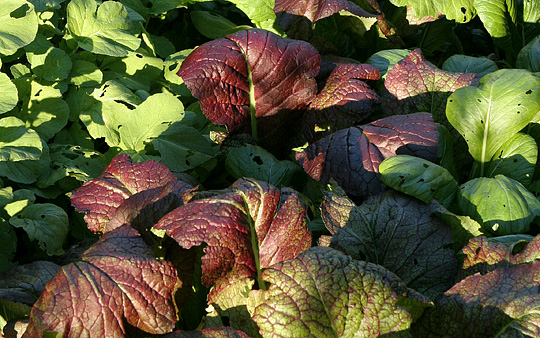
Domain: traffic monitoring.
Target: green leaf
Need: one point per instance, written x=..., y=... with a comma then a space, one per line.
x=258, y=163
x=214, y=26
x=105, y=30
x=501, y=205
x=324, y=293
x=26, y=171
x=85, y=74
x=44, y=110
x=531, y=11
x=387, y=59
x=529, y=56
x=45, y=5
x=8, y=245
x=459, y=63
x=516, y=159
x=47, y=223
x=8, y=94
x=260, y=12
x=149, y=120
x=17, y=142
x=51, y=64
x=420, y=178
x=18, y=25
x=103, y=120
x=494, y=15
x=135, y=71
x=489, y=115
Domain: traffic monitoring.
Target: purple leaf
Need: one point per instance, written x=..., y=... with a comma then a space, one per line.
x=117, y=278
x=352, y=156
x=101, y=197
x=252, y=67
x=397, y=232
x=415, y=85
x=502, y=303
x=324, y=293
x=254, y=215
x=344, y=101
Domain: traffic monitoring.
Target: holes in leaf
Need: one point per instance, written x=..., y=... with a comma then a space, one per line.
x=515, y=160
x=528, y=92
x=477, y=251
x=139, y=55
x=42, y=216
x=20, y=12
x=518, y=112
x=482, y=121
x=188, y=163
x=415, y=261
x=258, y=160
x=425, y=165
x=421, y=180
x=464, y=11
x=504, y=205
x=38, y=93
x=172, y=67
x=479, y=100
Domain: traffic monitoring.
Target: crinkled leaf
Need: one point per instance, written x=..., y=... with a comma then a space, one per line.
x=324, y=293
x=415, y=85
x=17, y=142
x=105, y=30
x=494, y=112
x=118, y=278
x=502, y=303
x=121, y=179
x=399, y=233
x=459, y=63
x=46, y=223
x=25, y=283
x=255, y=162
x=461, y=10
x=352, y=156
x=417, y=177
x=529, y=56
x=222, y=332
x=344, y=101
x=503, y=206
x=8, y=94
x=245, y=230
x=51, y=64
x=232, y=84
x=18, y=25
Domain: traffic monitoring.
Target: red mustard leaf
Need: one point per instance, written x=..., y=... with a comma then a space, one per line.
x=502, y=303
x=116, y=278
x=254, y=216
x=222, y=332
x=352, y=156
x=122, y=178
x=398, y=232
x=324, y=293
x=415, y=85
x=344, y=101
x=280, y=73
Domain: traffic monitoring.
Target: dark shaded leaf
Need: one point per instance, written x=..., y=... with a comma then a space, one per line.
x=324, y=293
x=250, y=228
x=415, y=85
x=116, y=278
x=122, y=179
x=352, y=156
x=397, y=232
x=222, y=332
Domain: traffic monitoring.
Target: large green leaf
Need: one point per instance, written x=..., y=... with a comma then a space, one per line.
x=489, y=115
x=260, y=12
x=420, y=178
x=469, y=64
x=495, y=15
x=462, y=10
x=529, y=56
x=26, y=170
x=50, y=64
x=8, y=94
x=17, y=142
x=18, y=25
x=503, y=206
x=105, y=30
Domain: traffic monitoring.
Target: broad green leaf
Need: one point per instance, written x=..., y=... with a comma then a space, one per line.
x=103, y=120
x=324, y=293
x=26, y=171
x=44, y=110
x=105, y=30
x=256, y=162
x=420, y=178
x=85, y=74
x=494, y=15
x=260, y=12
x=46, y=223
x=17, y=142
x=214, y=26
x=529, y=56
x=494, y=112
x=149, y=120
x=51, y=64
x=461, y=10
x=531, y=11
x=183, y=147
x=503, y=206
x=135, y=71
x=459, y=63
x=116, y=91
x=18, y=25
x=516, y=159
x=8, y=94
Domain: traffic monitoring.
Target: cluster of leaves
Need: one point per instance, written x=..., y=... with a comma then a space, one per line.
x=243, y=174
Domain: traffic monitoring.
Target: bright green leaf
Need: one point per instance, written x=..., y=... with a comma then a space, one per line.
x=47, y=223
x=462, y=10
x=17, y=142
x=18, y=25
x=85, y=74
x=52, y=64
x=260, y=12
x=103, y=120
x=494, y=112
x=385, y=60
x=26, y=171
x=419, y=178
x=135, y=71
x=105, y=30
x=8, y=94
x=503, y=206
